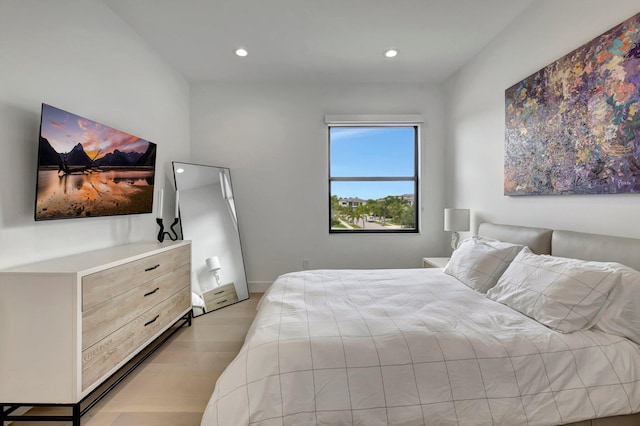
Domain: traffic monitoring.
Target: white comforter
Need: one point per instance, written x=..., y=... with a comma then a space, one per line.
x=414, y=347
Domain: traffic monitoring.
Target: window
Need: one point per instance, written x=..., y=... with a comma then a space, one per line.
x=373, y=178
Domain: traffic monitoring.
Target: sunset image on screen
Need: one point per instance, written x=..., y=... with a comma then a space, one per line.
x=87, y=169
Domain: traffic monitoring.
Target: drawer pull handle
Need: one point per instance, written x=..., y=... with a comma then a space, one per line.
x=219, y=292
x=152, y=321
x=152, y=268
x=151, y=292
x=223, y=301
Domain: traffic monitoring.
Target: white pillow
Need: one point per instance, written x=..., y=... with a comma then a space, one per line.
x=478, y=261
x=564, y=294
x=622, y=316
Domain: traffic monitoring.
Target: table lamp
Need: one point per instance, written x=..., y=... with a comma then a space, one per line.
x=456, y=220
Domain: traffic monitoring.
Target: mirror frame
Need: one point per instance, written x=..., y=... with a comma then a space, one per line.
x=206, y=289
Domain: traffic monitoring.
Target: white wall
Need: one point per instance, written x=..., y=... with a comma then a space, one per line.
x=274, y=140
x=545, y=32
x=78, y=56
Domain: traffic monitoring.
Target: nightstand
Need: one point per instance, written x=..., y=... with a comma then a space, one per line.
x=434, y=262
x=220, y=296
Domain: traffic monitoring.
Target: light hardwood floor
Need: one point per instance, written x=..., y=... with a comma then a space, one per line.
x=173, y=386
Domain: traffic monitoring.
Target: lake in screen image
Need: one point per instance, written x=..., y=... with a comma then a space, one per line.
x=97, y=193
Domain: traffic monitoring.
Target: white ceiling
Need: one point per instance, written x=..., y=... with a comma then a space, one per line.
x=318, y=40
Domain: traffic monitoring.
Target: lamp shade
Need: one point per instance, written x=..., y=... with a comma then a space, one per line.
x=213, y=263
x=456, y=219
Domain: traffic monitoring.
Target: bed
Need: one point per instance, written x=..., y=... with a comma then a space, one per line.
x=435, y=347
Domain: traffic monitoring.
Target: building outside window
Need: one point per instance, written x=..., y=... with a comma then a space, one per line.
x=373, y=178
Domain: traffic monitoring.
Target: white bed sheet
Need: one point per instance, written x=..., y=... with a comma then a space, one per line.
x=411, y=347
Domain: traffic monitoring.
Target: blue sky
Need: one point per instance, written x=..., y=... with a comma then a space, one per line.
x=371, y=151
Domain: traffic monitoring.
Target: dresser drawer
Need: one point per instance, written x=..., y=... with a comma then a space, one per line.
x=113, y=349
x=103, y=285
x=220, y=296
x=105, y=318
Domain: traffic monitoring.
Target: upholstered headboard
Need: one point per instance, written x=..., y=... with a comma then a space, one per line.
x=538, y=239
x=596, y=247
x=576, y=245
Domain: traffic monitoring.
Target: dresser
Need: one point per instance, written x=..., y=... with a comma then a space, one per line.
x=68, y=324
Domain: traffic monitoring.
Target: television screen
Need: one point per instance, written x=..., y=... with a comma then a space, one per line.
x=87, y=169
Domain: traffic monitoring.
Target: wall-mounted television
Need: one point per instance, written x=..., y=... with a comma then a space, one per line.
x=87, y=169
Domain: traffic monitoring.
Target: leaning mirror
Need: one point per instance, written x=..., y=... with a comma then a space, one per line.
x=208, y=218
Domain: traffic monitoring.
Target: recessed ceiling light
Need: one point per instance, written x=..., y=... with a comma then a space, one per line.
x=391, y=53
x=180, y=170
x=241, y=52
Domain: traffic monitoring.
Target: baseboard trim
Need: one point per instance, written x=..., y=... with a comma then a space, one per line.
x=259, y=286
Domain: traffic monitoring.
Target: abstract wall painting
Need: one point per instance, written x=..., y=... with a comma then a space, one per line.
x=574, y=126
